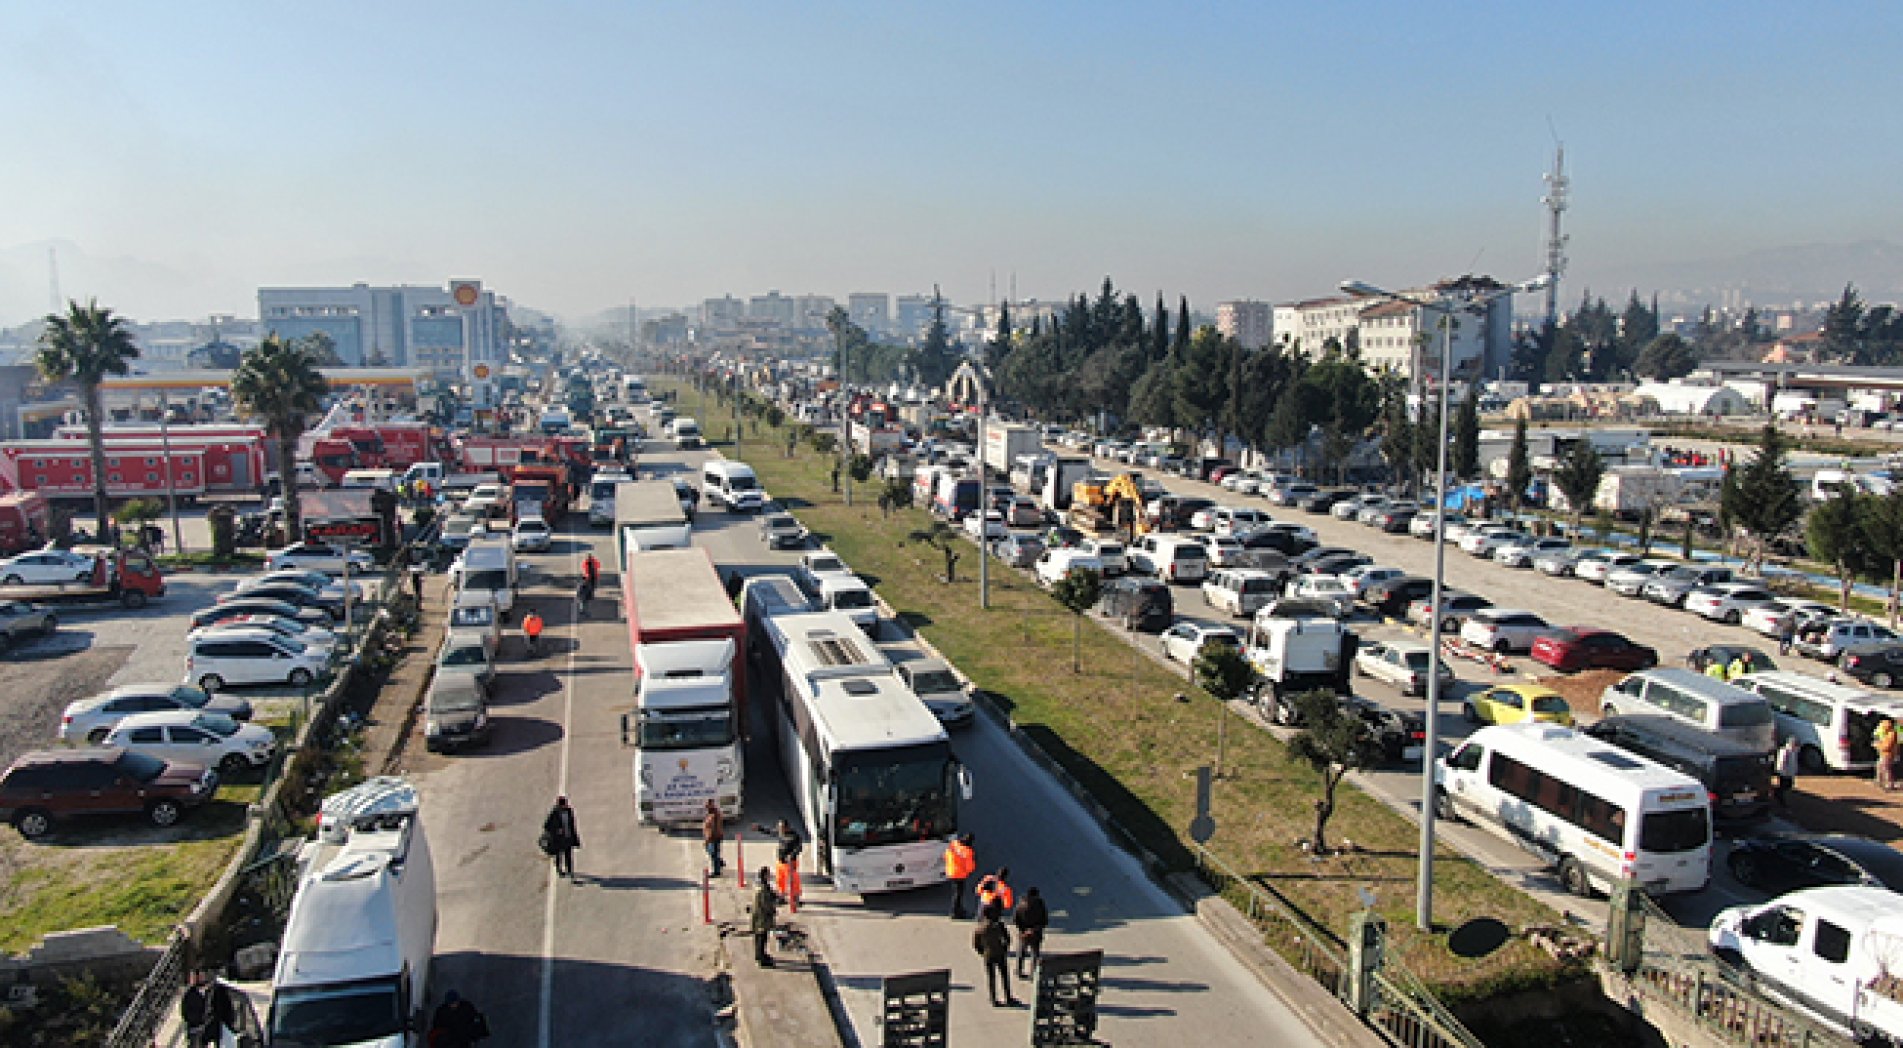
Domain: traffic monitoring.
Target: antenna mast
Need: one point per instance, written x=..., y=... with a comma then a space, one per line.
x=1557, y=187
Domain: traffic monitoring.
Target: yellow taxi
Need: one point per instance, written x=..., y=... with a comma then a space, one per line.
x=1517, y=703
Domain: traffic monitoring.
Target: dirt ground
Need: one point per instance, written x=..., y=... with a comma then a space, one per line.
x=1582, y=689
x=33, y=693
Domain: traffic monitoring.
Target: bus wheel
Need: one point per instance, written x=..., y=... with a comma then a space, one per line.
x=1573, y=877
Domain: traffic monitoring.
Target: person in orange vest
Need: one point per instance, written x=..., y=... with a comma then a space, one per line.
x=993, y=889
x=591, y=570
x=532, y=630
x=960, y=863
x=786, y=862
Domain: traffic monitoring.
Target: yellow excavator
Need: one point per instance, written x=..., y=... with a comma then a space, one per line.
x=1098, y=506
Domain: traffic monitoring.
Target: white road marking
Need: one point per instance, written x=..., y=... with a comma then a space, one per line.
x=547, y=1003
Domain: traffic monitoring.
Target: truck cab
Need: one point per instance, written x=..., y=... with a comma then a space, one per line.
x=1833, y=952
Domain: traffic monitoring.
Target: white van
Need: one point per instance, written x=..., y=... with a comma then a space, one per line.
x=1834, y=723
x=421, y=471
x=850, y=594
x=1239, y=591
x=354, y=965
x=734, y=485
x=488, y=567
x=685, y=432
x=1698, y=700
x=1596, y=813
x=1172, y=558
x=1832, y=952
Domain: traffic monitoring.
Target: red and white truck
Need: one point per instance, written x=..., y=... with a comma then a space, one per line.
x=128, y=578
x=689, y=645
x=23, y=522
x=57, y=469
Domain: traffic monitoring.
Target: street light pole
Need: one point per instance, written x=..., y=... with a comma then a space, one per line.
x=1457, y=300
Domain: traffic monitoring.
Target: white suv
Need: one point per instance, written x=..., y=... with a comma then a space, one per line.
x=242, y=656
x=1727, y=601
x=212, y=739
x=1503, y=630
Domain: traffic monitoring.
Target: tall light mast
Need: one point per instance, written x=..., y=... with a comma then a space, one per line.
x=1557, y=186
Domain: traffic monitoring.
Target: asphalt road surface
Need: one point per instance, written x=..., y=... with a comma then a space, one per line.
x=620, y=957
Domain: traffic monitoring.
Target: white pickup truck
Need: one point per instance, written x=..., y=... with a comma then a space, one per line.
x=1836, y=953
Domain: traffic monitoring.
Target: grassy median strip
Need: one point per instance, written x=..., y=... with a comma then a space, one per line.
x=1118, y=727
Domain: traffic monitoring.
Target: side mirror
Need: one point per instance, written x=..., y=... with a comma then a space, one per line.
x=964, y=782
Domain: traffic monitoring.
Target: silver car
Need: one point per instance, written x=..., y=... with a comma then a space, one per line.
x=1400, y=663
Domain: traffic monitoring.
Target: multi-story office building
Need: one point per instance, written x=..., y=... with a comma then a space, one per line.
x=771, y=306
x=455, y=330
x=914, y=316
x=1248, y=322
x=723, y=313
x=809, y=311
x=870, y=310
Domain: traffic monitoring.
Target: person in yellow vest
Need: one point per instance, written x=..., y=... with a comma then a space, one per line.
x=1740, y=666
x=1715, y=669
x=1885, y=740
x=960, y=863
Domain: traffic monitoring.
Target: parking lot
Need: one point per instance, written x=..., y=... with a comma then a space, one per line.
x=1827, y=803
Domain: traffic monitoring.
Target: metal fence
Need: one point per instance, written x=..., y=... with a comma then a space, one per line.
x=1399, y=1005
x=1677, y=971
x=154, y=1000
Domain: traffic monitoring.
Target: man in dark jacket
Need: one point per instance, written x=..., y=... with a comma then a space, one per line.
x=786, y=861
x=993, y=942
x=766, y=905
x=1032, y=918
x=207, y=1010
x=457, y=1024
x=563, y=836
x=713, y=830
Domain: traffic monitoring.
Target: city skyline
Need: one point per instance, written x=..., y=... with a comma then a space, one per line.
x=580, y=160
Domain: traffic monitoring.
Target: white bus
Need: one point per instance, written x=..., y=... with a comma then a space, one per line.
x=1597, y=813
x=871, y=768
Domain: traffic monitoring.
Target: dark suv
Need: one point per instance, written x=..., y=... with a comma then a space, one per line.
x=53, y=784
x=1138, y=603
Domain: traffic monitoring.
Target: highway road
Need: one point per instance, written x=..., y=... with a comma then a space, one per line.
x=620, y=957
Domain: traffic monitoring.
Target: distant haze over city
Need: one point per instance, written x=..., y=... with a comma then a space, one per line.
x=663, y=154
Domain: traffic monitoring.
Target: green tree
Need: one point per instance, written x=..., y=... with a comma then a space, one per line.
x=135, y=514
x=1834, y=533
x=1078, y=591
x=1883, y=529
x=1638, y=326
x=83, y=346
x=1000, y=345
x=945, y=539
x=1666, y=357
x=323, y=349
x=1577, y=478
x=1466, y=450
x=1334, y=742
x=936, y=359
x=1223, y=672
x=1761, y=497
x=1519, y=466
x=1843, y=327
x=1397, y=440
x=278, y=383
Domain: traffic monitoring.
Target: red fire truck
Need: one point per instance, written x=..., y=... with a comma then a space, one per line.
x=58, y=469
x=380, y=445
x=237, y=458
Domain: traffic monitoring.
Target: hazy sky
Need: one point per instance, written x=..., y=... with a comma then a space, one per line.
x=576, y=155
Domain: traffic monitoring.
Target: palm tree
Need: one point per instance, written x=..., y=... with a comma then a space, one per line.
x=84, y=346
x=279, y=384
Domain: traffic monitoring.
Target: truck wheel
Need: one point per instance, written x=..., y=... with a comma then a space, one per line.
x=132, y=599
x=211, y=682
x=163, y=813
x=33, y=823
x=12, y=580
x=1573, y=877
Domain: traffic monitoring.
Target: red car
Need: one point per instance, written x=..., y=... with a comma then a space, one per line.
x=1581, y=648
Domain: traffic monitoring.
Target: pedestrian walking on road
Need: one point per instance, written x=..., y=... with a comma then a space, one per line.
x=416, y=583
x=1786, y=633
x=786, y=862
x=584, y=592
x=996, y=888
x=457, y=1023
x=591, y=570
x=532, y=627
x=960, y=863
x=562, y=837
x=993, y=943
x=1786, y=771
x=206, y=1009
x=1032, y=918
x=766, y=905
x=713, y=830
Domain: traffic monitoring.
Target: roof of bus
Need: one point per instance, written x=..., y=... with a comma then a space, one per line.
x=824, y=644
x=868, y=712
x=1576, y=754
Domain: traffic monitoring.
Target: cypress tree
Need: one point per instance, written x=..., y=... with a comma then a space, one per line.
x=1466, y=449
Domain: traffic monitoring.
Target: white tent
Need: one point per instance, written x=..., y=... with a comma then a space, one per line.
x=1678, y=398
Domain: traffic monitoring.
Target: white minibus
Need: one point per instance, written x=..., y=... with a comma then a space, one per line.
x=1596, y=813
x=1834, y=724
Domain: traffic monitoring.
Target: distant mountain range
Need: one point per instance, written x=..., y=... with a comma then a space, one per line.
x=1778, y=276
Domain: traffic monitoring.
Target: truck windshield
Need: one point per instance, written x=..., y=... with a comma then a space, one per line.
x=743, y=482
x=893, y=797
x=689, y=729
x=849, y=599
x=337, y=1013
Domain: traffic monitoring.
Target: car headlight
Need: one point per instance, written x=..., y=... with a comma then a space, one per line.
x=432, y=728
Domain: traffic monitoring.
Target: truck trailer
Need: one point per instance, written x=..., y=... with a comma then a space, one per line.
x=649, y=516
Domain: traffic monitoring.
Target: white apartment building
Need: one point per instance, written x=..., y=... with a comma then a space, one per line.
x=1247, y=321
x=1310, y=324
x=809, y=311
x=1404, y=337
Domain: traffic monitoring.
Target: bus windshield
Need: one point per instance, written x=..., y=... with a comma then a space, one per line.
x=685, y=729
x=893, y=797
